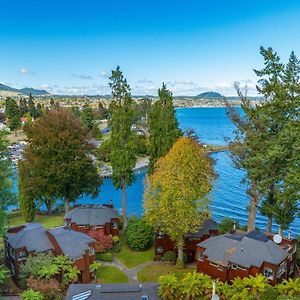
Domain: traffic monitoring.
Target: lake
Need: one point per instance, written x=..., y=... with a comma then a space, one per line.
x=228, y=197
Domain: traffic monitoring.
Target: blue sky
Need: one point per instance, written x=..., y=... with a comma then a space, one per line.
x=70, y=47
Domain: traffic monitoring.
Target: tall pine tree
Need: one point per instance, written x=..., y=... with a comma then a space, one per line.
x=123, y=151
x=163, y=126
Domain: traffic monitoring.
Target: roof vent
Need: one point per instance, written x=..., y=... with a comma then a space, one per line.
x=277, y=238
x=144, y=297
x=82, y=296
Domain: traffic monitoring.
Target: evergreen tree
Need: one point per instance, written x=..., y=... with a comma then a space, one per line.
x=26, y=201
x=88, y=117
x=7, y=197
x=23, y=107
x=163, y=126
x=31, y=107
x=123, y=150
x=59, y=159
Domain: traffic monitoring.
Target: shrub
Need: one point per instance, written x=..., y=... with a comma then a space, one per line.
x=169, y=256
x=115, y=239
x=103, y=242
x=139, y=235
x=116, y=247
x=105, y=256
x=226, y=224
x=32, y=295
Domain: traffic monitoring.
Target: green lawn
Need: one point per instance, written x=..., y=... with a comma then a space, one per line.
x=132, y=258
x=110, y=274
x=48, y=221
x=152, y=273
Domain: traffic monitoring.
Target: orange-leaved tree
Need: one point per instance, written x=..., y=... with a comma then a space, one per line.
x=175, y=198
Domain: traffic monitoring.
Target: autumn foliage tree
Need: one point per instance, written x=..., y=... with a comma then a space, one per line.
x=58, y=159
x=175, y=199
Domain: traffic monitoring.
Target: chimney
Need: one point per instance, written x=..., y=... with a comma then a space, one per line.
x=289, y=234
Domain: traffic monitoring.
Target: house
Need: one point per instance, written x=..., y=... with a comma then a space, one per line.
x=29, y=239
x=124, y=291
x=102, y=218
x=164, y=244
x=228, y=256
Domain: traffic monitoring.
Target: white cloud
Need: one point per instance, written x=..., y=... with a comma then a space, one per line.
x=25, y=71
x=82, y=76
x=104, y=74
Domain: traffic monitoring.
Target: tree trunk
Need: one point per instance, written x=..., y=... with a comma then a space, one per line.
x=270, y=224
x=280, y=230
x=255, y=198
x=49, y=207
x=179, y=245
x=124, y=211
x=67, y=205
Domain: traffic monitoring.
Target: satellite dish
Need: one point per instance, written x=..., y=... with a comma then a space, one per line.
x=277, y=238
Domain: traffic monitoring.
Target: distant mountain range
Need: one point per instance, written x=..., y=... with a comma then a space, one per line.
x=209, y=95
x=25, y=91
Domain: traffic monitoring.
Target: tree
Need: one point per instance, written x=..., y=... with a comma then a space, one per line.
x=12, y=112
x=94, y=268
x=59, y=160
x=31, y=107
x=88, y=117
x=169, y=287
x=23, y=107
x=163, y=126
x=7, y=197
x=175, y=198
x=123, y=150
x=26, y=201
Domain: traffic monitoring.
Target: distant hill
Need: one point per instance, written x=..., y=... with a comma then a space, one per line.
x=209, y=95
x=9, y=91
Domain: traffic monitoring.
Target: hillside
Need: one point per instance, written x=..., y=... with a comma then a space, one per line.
x=209, y=95
x=9, y=91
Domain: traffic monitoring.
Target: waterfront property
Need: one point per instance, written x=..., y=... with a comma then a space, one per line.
x=240, y=254
x=32, y=238
x=164, y=244
x=145, y=291
x=100, y=218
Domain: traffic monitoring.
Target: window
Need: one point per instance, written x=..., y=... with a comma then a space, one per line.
x=200, y=256
x=68, y=225
x=114, y=225
x=159, y=249
x=86, y=226
x=234, y=266
x=160, y=235
x=292, y=269
x=268, y=273
x=91, y=251
x=22, y=255
x=12, y=252
x=94, y=227
x=220, y=268
x=241, y=268
x=213, y=264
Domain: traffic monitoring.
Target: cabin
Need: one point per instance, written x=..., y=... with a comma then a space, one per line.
x=120, y=291
x=240, y=254
x=100, y=218
x=164, y=244
x=29, y=239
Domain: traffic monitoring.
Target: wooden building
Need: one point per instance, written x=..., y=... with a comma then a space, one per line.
x=30, y=239
x=103, y=219
x=240, y=254
x=164, y=244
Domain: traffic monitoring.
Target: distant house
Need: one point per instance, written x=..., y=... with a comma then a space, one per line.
x=121, y=291
x=30, y=239
x=163, y=243
x=228, y=256
x=93, y=217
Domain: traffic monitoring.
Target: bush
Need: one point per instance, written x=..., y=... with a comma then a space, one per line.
x=104, y=150
x=32, y=295
x=116, y=247
x=139, y=234
x=105, y=256
x=169, y=256
x=103, y=242
x=48, y=287
x=226, y=225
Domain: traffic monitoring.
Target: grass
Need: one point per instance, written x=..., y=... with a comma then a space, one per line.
x=110, y=274
x=131, y=258
x=12, y=138
x=152, y=273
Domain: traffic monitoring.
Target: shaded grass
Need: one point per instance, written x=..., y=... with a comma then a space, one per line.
x=111, y=274
x=152, y=273
x=131, y=258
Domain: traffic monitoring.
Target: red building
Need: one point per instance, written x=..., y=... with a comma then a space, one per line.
x=29, y=239
x=163, y=243
x=93, y=217
x=241, y=254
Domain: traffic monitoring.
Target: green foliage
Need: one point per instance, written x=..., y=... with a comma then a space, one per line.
x=3, y=275
x=168, y=287
x=104, y=150
x=177, y=190
x=139, y=235
x=227, y=224
x=290, y=287
x=169, y=256
x=32, y=108
x=116, y=248
x=88, y=117
x=27, y=203
x=48, y=271
x=123, y=149
x=55, y=139
x=163, y=126
x=7, y=197
x=31, y=295
x=105, y=256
